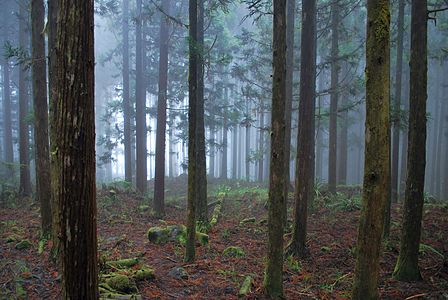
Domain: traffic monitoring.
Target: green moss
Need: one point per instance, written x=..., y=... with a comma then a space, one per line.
x=202, y=238
x=144, y=273
x=233, y=251
x=143, y=208
x=245, y=287
x=161, y=235
x=24, y=244
x=123, y=263
x=247, y=221
x=122, y=283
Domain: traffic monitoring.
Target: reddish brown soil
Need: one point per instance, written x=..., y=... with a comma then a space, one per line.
x=326, y=274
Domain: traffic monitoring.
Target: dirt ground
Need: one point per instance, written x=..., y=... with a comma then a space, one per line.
x=326, y=274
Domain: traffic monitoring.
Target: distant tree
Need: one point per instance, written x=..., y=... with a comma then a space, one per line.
x=127, y=140
x=43, y=180
x=334, y=95
x=75, y=144
x=407, y=264
x=304, y=181
x=377, y=152
x=140, y=108
x=273, y=280
x=159, y=181
x=8, y=152
x=190, y=251
x=24, y=132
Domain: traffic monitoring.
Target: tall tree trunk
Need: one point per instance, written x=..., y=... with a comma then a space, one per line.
x=290, y=28
x=171, y=148
x=438, y=167
x=201, y=182
x=24, y=132
x=304, y=181
x=140, y=101
x=377, y=151
x=319, y=130
x=75, y=144
x=126, y=102
x=247, y=144
x=52, y=69
x=407, y=264
x=159, y=181
x=273, y=280
x=397, y=102
x=334, y=94
x=43, y=181
x=234, y=151
x=190, y=251
x=404, y=141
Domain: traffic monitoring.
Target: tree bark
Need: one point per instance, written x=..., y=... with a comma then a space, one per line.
x=377, y=151
x=273, y=280
x=190, y=251
x=127, y=108
x=159, y=180
x=304, y=180
x=43, y=180
x=261, y=145
x=75, y=149
x=407, y=264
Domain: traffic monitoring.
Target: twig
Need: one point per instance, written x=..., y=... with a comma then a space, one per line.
x=415, y=296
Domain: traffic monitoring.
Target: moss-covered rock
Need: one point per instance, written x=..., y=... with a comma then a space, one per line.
x=122, y=283
x=24, y=244
x=161, y=235
x=143, y=208
x=144, y=273
x=178, y=273
x=233, y=251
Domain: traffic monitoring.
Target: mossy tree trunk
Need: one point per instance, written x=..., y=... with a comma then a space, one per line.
x=407, y=264
x=75, y=149
x=273, y=280
x=190, y=251
x=43, y=181
x=377, y=151
x=304, y=181
x=159, y=180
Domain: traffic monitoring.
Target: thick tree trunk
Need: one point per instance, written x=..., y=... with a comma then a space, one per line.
x=75, y=144
x=190, y=251
x=377, y=151
x=24, y=131
x=212, y=150
x=319, y=129
x=304, y=181
x=140, y=101
x=43, y=181
x=273, y=280
x=159, y=181
x=127, y=108
x=334, y=94
x=407, y=264
x=7, y=127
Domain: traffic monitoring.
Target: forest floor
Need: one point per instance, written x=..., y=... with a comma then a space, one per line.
x=122, y=233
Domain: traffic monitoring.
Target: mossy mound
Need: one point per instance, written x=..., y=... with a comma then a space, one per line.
x=233, y=251
x=248, y=221
x=122, y=284
x=24, y=244
x=161, y=235
x=123, y=263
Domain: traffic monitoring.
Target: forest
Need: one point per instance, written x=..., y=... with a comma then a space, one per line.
x=224, y=149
